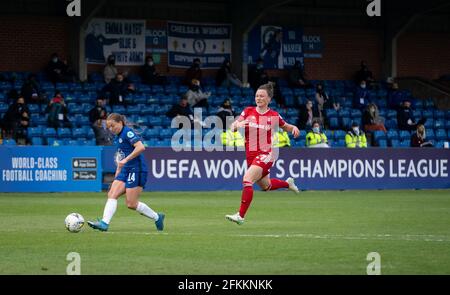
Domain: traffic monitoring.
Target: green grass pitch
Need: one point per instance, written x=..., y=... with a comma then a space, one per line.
x=314, y=232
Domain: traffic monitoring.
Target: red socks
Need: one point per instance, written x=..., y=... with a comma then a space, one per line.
x=277, y=184
x=247, y=196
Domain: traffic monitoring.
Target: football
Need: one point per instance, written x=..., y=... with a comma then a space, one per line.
x=74, y=222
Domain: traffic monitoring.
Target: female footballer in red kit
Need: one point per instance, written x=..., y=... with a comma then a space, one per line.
x=259, y=123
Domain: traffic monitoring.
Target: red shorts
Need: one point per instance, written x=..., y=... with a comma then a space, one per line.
x=265, y=161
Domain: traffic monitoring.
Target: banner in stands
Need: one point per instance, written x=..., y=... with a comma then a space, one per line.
x=314, y=169
x=279, y=47
x=312, y=46
x=156, y=37
x=211, y=43
x=125, y=39
x=50, y=169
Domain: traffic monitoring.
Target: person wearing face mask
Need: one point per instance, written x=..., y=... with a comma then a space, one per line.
x=361, y=97
x=57, y=112
x=182, y=108
x=419, y=137
x=405, y=117
x=56, y=69
x=228, y=137
x=355, y=138
x=110, y=70
x=98, y=111
x=16, y=121
x=194, y=72
x=117, y=90
x=371, y=119
x=196, y=97
x=307, y=114
x=315, y=138
x=149, y=74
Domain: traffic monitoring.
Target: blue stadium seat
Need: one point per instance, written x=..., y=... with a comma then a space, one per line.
x=166, y=133
x=328, y=134
x=331, y=113
x=404, y=135
x=392, y=134
x=355, y=113
x=344, y=113
x=55, y=142
x=379, y=135
x=155, y=121
x=430, y=134
x=49, y=132
x=382, y=143
x=34, y=132
x=340, y=143
x=302, y=134
x=79, y=133
x=37, y=141
x=391, y=124
x=441, y=135
x=64, y=133
x=438, y=114
x=345, y=122
x=84, y=121
x=334, y=123
x=427, y=114
x=405, y=143
x=429, y=123
x=150, y=143
x=439, y=144
x=391, y=114
x=439, y=123
x=34, y=108
x=9, y=142
x=394, y=143
x=339, y=134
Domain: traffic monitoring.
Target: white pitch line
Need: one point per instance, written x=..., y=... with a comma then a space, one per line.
x=383, y=237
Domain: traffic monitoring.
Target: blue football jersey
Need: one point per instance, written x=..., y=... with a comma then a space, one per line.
x=125, y=141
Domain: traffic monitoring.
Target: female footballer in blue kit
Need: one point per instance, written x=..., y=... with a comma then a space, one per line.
x=130, y=177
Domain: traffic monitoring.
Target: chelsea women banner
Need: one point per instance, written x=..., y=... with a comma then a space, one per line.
x=211, y=43
x=50, y=169
x=125, y=39
x=279, y=47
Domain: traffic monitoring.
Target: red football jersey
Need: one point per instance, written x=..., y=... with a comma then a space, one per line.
x=258, y=131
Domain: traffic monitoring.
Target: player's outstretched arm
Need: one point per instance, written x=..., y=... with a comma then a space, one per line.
x=138, y=149
x=292, y=129
x=239, y=123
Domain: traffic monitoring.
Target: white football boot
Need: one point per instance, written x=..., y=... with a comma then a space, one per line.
x=292, y=186
x=235, y=218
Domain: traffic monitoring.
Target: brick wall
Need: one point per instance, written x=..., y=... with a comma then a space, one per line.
x=423, y=54
x=26, y=44
x=343, y=51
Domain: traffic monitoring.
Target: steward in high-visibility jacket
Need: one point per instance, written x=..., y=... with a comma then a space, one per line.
x=315, y=137
x=355, y=138
x=281, y=139
x=230, y=138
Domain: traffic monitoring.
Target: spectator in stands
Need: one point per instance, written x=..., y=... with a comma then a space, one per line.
x=419, y=137
x=297, y=77
x=149, y=74
x=355, y=138
x=31, y=90
x=110, y=70
x=308, y=113
x=315, y=138
x=395, y=98
x=103, y=136
x=257, y=75
x=405, y=117
x=118, y=89
x=196, y=97
x=364, y=74
x=224, y=111
x=323, y=99
x=225, y=77
x=371, y=119
x=281, y=139
x=99, y=111
x=194, y=72
x=57, y=112
x=16, y=121
x=57, y=69
x=181, y=109
x=361, y=97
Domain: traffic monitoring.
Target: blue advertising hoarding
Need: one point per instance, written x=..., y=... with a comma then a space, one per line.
x=50, y=169
x=314, y=169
